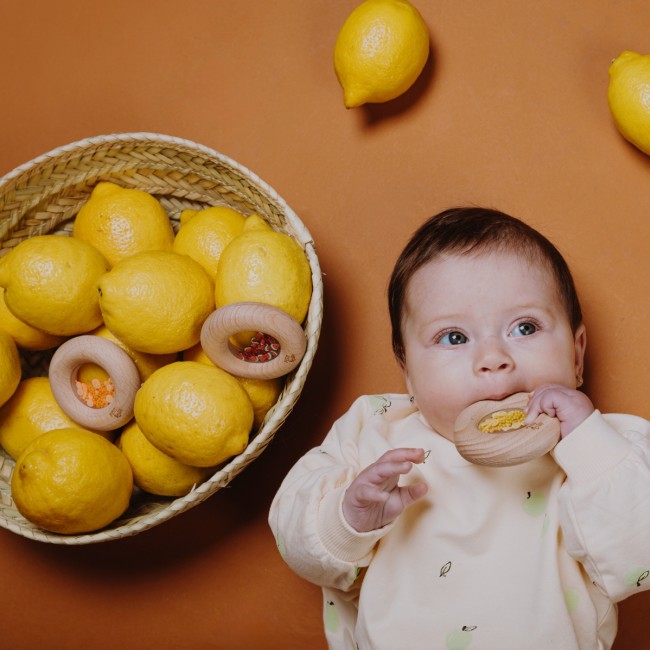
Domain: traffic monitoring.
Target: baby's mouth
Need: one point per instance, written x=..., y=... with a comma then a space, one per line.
x=499, y=397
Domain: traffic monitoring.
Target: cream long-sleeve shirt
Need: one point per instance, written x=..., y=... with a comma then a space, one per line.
x=534, y=556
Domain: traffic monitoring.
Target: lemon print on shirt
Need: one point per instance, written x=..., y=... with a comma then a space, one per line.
x=459, y=639
x=636, y=576
x=331, y=617
x=572, y=599
x=379, y=403
x=534, y=504
x=281, y=547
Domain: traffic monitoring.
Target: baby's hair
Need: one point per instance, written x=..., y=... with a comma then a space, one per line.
x=473, y=230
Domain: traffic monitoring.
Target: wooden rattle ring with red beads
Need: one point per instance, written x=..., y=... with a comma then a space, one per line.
x=226, y=321
x=63, y=373
x=493, y=433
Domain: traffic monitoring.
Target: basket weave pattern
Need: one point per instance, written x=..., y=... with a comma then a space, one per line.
x=44, y=195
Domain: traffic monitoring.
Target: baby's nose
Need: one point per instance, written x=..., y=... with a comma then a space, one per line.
x=492, y=356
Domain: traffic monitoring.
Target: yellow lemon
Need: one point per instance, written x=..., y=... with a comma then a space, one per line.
x=380, y=51
x=156, y=301
x=263, y=393
x=186, y=215
x=50, y=283
x=263, y=265
x=196, y=353
x=629, y=97
x=144, y=362
x=195, y=413
x=25, y=336
x=204, y=234
x=29, y=413
x=119, y=222
x=10, y=370
x=71, y=481
x=154, y=471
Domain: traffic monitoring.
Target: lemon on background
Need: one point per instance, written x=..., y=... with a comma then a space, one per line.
x=24, y=335
x=144, y=362
x=263, y=265
x=205, y=233
x=628, y=96
x=10, y=370
x=119, y=222
x=156, y=301
x=380, y=51
x=29, y=413
x=263, y=393
x=156, y=472
x=195, y=413
x=50, y=283
x=71, y=481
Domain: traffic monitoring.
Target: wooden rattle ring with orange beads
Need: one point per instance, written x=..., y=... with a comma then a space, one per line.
x=63, y=374
x=502, y=448
x=226, y=321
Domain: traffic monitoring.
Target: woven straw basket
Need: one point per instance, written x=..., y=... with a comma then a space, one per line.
x=43, y=196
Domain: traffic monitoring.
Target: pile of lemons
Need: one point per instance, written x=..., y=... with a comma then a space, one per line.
x=126, y=276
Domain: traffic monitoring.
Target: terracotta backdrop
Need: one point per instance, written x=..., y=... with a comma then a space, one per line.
x=510, y=112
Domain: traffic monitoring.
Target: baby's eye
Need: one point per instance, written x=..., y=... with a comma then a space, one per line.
x=452, y=338
x=524, y=329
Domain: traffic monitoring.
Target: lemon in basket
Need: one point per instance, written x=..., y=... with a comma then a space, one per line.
x=71, y=481
x=156, y=472
x=29, y=413
x=25, y=336
x=156, y=301
x=263, y=393
x=50, y=283
x=195, y=413
x=263, y=265
x=380, y=51
x=204, y=234
x=119, y=222
x=628, y=96
x=9, y=367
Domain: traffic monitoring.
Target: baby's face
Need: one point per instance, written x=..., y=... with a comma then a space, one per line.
x=484, y=327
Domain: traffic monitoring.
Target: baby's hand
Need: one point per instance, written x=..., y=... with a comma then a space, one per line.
x=570, y=407
x=374, y=499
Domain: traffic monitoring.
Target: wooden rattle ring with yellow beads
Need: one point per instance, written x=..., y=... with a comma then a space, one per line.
x=226, y=321
x=63, y=374
x=493, y=433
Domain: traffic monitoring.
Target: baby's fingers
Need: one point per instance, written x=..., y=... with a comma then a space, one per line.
x=411, y=493
x=386, y=474
x=569, y=406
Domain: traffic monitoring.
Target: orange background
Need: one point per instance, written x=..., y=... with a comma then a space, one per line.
x=510, y=112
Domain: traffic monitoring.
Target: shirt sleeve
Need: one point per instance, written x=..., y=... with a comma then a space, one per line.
x=306, y=515
x=605, y=501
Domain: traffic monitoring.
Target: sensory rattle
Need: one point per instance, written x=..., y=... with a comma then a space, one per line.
x=495, y=433
x=280, y=356
x=124, y=376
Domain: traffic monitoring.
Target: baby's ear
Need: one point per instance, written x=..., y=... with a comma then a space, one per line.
x=580, y=343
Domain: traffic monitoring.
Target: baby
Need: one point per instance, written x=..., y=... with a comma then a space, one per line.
x=414, y=546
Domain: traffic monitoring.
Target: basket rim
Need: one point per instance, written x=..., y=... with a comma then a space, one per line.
x=295, y=380
x=305, y=236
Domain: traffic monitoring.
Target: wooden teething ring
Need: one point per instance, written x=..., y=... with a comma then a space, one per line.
x=221, y=324
x=503, y=448
x=63, y=371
